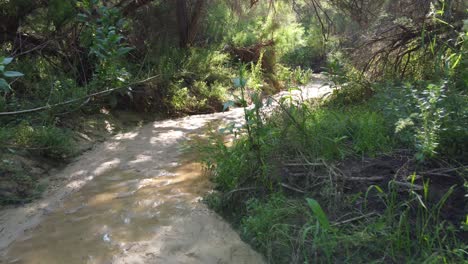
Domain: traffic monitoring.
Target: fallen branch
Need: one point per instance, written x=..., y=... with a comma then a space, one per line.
x=292, y=188
x=302, y=164
x=240, y=190
x=353, y=219
x=437, y=174
x=45, y=107
x=372, y=178
x=409, y=185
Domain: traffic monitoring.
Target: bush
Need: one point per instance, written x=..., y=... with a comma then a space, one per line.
x=48, y=141
x=307, y=57
x=370, y=133
x=230, y=165
x=428, y=118
x=339, y=133
x=267, y=226
x=197, y=80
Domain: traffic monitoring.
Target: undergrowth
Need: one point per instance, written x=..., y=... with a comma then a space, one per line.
x=349, y=179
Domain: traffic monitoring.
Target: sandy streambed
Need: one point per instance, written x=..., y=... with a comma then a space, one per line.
x=133, y=199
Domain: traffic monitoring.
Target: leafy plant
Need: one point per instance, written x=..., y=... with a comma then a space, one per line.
x=431, y=113
x=4, y=85
x=318, y=213
x=104, y=37
x=266, y=225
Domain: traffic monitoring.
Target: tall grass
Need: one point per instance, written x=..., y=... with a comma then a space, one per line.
x=342, y=223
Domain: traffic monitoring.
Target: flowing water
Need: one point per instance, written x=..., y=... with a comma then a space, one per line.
x=133, y=199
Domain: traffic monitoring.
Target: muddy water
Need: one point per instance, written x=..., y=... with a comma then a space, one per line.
x=112, y=213
x=133, y=199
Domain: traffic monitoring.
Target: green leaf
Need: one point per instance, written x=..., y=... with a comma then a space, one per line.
x=4, y=85
x=319, y=213
x=2, y=68
x=124, y=50
x=239, y=82
x=227, y=105
x=457, y=61
x=12, y=74
x=7, y=61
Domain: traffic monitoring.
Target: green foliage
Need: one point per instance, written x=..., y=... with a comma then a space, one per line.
x=255, y=78
x=48, y=141
x=318, y=213
x=104, y=37
x=337, y=134
x=309, y=52
x=266, y=226
x=296, y=44
x=370, y=133
x=414, y=225
x=4, y=85
x=425, y=114
x=294, y=77
x=230, y=166
x=402, y=227
x=16, y=185
x=59, y=11
x=198, y=81
x=430, y=115
x=350, y=85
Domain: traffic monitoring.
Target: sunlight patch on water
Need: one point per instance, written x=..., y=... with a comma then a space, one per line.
x=117, y=209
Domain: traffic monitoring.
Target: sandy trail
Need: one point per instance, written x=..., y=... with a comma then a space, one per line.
x=133, y=199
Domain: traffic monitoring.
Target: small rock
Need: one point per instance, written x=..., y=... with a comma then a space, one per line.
x=106, y=238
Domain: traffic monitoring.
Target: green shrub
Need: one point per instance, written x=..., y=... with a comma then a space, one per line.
x=307, y=57
x=295, y=76
x=267, y=226
x=49, y=141
x=197, y=82
x=428, y=118
x=55, y=142
x=370, y=133
x=183, y=100
x=340, y=133
x=232, y=165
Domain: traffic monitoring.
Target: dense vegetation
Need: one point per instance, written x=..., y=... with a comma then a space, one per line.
x=373, y=172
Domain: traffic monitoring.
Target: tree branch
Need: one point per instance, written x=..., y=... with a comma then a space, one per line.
x=45, y=107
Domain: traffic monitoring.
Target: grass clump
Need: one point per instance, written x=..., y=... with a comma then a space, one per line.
x=337, y=133
x=21, y=176
x=231, y=165
x=48, y=141
x=267, y=224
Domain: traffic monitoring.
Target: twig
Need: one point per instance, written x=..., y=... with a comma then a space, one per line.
x=372, y=178
x=353, y=219
x=437, y=174
x=302, y=164
x=292, y=188
x=240, y=190
x=74, y=100
x=24, y=147
x=444, y=170
x=409, y=185
x=38, y=47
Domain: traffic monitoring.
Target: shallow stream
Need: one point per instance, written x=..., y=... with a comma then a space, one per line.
x=133, y=199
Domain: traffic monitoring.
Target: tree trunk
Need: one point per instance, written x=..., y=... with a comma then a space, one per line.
x=188, y=26
x=182, y=22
